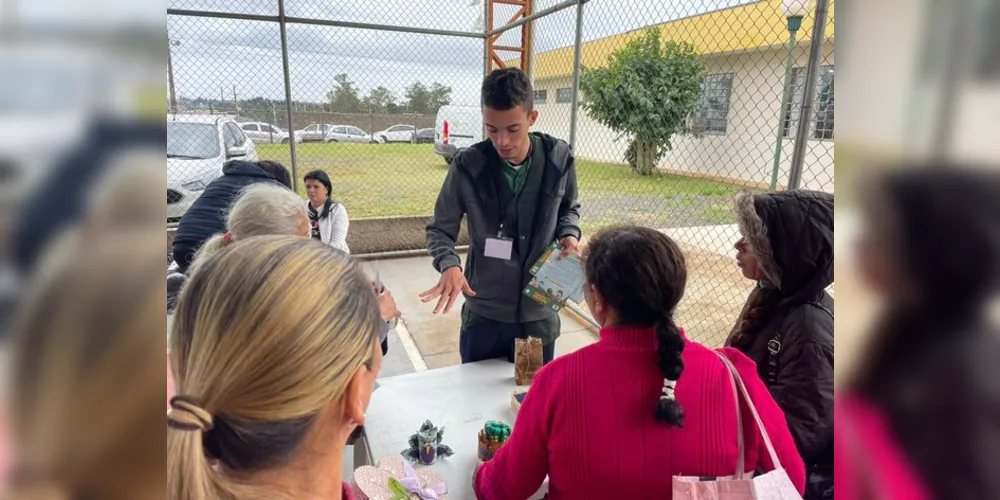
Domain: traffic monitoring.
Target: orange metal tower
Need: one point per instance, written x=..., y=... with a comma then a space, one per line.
x=524, y=50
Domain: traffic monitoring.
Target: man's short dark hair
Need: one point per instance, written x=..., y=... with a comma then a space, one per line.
x=507, y=88
x=278, y=170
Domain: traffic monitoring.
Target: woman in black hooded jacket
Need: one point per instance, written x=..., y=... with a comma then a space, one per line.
x=786, y=326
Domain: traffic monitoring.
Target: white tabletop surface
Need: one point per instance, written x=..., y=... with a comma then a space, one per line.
x=460, y=398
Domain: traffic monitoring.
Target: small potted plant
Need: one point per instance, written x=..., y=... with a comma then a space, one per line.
x=425, y=446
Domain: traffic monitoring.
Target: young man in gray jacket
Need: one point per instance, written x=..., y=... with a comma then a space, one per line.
x=517, y=191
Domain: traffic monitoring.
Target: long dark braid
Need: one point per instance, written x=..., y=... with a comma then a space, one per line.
x=641, y=274
x=756, y=312
x=669, y=350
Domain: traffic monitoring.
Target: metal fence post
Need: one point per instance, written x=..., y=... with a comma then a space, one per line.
x=487, y=26
x=577, y=55
x=805, y=113
x=288, y=91
x=785, y=96
x=170, y=77
x=957, y=45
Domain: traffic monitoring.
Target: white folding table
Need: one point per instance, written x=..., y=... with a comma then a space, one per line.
x=459, y=398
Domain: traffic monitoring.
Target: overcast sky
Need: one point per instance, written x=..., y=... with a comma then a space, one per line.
x=213, y=55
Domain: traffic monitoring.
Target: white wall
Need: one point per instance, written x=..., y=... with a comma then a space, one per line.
x=745, y=151
x=881, y=106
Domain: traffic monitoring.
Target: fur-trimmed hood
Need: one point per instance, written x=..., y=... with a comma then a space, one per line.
x=791, y=235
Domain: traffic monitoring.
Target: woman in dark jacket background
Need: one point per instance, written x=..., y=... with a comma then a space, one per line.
x=786, y=326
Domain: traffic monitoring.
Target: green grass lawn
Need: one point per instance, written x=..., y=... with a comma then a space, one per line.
x=404, y=179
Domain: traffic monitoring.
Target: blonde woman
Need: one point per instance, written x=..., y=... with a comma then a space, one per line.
x=274, y=370
x=85, y=387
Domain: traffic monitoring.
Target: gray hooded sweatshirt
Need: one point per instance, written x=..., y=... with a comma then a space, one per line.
x=546, y=210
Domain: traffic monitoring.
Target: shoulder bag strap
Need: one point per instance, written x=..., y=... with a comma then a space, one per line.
x=774, y=346
x=741, y=458
x=753, y=410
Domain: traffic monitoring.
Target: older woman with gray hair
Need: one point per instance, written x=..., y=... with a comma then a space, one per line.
x=269, y=209
x=260, y=210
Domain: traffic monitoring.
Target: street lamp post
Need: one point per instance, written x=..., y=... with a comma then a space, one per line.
x=794, y=11
x=170, y=73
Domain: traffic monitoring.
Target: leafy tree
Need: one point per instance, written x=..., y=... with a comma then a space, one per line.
x=394, y=109
x=344, y=96
x=647, y=91
x=440, y=96
x=256, y=103
x=379, y=99
x=418, y=98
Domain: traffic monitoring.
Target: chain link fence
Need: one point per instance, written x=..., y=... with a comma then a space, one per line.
x=354, y=89
x=732, y=118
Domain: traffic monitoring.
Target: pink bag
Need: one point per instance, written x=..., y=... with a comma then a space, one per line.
x=773, y=485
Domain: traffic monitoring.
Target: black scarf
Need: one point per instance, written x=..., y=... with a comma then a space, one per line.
x=315, y=216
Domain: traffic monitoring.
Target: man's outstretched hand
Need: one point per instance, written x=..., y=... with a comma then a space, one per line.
x=452, y=283
x=570, y=245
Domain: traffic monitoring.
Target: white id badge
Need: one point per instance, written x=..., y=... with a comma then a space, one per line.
x=499, y=248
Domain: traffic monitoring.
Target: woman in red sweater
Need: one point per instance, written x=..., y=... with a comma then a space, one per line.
x=616, y=419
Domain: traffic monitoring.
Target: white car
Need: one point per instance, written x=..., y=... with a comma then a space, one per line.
x=265, y=133
x=48, y=93
x=348, y=133
x=396, y=133
x=315, y=132
x=197, y=147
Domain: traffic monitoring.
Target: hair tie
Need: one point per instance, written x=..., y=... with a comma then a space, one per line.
x=668, y=390
x=185, y=414
x=228, y=237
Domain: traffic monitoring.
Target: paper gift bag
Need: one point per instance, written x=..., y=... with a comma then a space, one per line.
x=527, y=359
x=772, y=485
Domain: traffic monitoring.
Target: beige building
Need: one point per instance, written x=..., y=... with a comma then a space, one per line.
x=745, y=51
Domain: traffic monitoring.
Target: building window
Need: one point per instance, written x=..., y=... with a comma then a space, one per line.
x=564, y=95
x=713, y=106
x=821, y=126
x=541, y=96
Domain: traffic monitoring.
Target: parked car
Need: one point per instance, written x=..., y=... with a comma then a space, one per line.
x=457, y=127
x=265, y=133
x=348, y=133
x=49, y=95
x=395, y=133
x=197, y=147
x=315, y=132
x=425, y=136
